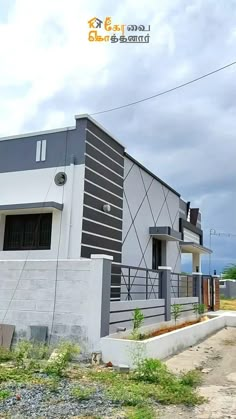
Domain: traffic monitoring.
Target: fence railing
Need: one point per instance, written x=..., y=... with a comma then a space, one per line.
x=134, y=283
x=182, y=285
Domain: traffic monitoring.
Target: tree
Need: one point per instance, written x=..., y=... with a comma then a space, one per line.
x=230, y=271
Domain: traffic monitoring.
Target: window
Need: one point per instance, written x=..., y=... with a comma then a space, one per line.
x=41, y=147
x=28, y=232
x=156, y=253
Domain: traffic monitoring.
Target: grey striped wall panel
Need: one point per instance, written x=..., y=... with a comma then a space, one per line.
x=104, y=170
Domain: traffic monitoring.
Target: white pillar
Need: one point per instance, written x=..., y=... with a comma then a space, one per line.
x=196, y=262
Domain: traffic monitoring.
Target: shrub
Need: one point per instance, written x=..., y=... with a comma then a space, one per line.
x=143, y=412
x=82, y=393
x=6, y=355
x=126, y=395
x=177, y=393
x=152, y=370
x=191, y=378
x=62, y=355
x=28, y=350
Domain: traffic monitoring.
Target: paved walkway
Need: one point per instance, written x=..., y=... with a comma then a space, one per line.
x=216, y=358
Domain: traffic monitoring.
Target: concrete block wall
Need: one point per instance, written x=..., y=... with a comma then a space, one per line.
x=121, y=312
x=66, y=296
x=186, y=306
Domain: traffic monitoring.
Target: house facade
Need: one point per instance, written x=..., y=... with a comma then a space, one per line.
x=73, y=192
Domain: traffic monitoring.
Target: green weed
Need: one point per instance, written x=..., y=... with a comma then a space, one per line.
x=191, y=378
x=4, y=394
x=144, y=412
x=152, y=371
x=6, y=355
x=82, y=393
x=63, y=355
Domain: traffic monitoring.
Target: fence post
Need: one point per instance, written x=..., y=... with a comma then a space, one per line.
x=197, y=280
x=146, y=284
x=165, y=289
x=99, y=288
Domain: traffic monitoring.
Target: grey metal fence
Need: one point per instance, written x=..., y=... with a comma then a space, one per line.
x=134, y=283
x=182, y=285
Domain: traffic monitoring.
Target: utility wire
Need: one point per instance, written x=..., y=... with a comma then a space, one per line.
x=166, y=91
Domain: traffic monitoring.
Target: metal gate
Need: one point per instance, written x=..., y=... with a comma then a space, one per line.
x=208, y=292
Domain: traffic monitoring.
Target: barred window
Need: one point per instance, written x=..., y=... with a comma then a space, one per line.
x=28, y=232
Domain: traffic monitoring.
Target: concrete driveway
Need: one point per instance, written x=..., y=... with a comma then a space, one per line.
x=216, y=357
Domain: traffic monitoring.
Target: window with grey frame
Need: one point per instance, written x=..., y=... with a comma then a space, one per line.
x=28, y=232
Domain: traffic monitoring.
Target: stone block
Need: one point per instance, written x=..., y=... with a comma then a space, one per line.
x=38, y=333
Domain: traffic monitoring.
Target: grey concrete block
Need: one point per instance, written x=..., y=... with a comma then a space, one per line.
x=39, y=333
x=60, y=329
x=48, y=265
x=12, y=265
x=35, y=284
x=6, y=295
x=8, y=285
x=46, y=305
x=22, y=305
x=9, y=275
x=63, y=275
x=76, y=330
x=39, y=274
x=74, y=265
x=69, y=319
x=39, y=294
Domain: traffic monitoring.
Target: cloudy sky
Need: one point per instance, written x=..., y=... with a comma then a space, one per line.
x=49, y=72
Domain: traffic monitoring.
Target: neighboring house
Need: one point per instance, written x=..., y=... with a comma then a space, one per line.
x=68, y=193
x=228, y=288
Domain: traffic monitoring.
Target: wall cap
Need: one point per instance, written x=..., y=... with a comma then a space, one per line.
x=164, y=268
x=97, y=256
x=196, y=273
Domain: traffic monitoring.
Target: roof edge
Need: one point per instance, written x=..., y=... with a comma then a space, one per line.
x=151, y=174
x=87, y=116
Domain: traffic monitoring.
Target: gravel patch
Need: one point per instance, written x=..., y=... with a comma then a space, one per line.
x=38, y=401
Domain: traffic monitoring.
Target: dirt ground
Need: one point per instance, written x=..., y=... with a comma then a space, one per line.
x=216, y=357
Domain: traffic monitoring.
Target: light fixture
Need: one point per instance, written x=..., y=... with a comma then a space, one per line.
x=106, y=208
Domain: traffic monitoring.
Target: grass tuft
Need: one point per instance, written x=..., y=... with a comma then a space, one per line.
x=82, y=393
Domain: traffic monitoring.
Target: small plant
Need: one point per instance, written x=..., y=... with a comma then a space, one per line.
x=191, y=378
x=82, y=393
x=143, y=412
x=27, y=352
x=176, y=311
x=152, y=371
x=126, y=395
x=199, y=309
x=6, y=355
x=53, y=384
x=4, y=394
x=138, y=319
x=61, y=357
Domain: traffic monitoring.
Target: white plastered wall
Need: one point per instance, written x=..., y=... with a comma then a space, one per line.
x=38, y=186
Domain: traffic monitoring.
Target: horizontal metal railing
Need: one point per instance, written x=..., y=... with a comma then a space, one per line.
x=134, y=283
x=182, y=285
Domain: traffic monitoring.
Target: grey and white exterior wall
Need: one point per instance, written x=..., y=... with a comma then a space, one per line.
x=99, y=172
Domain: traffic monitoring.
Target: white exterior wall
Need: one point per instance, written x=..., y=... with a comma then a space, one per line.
x=139, y=213
x=189, y=236
x=38, y=186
